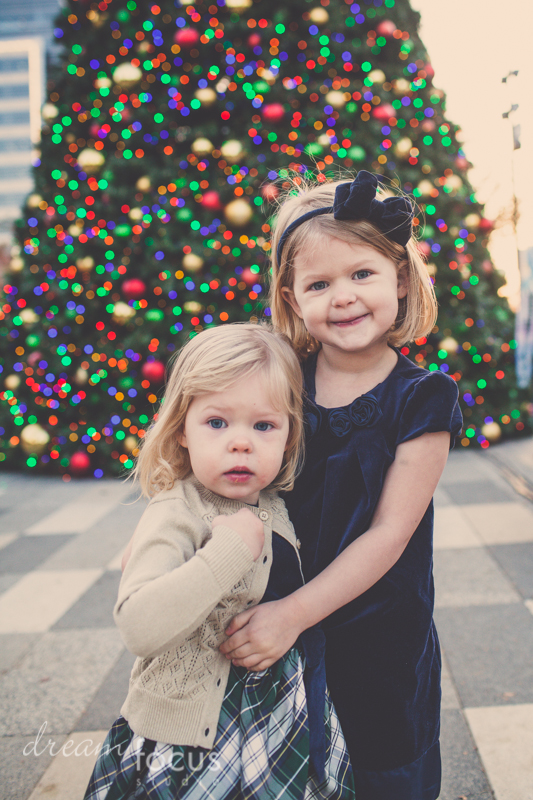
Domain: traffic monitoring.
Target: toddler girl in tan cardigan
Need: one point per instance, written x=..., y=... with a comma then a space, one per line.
x=214, y=540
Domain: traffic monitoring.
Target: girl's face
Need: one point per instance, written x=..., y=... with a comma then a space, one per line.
x=347, y=295
x=236, y=439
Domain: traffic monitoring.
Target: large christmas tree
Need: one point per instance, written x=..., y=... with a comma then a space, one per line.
x=167, y=132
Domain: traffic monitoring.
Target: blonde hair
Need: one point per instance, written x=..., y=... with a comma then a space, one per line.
x=417, y=311
x=211, y=362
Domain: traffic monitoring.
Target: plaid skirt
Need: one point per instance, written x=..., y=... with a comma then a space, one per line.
x=261, y=749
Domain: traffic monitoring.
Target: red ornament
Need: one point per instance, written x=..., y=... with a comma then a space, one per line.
x=269, y=192
x=485, y=225
x=133, y=288
x=273, y=112
x=153, y=371
x=93, y=130
x=249, y=277
x=79, y=462
x=254, y=40
x=187, y=37
x=430, y=72
x=383, y=112
x=211, y=201
x=386, y=28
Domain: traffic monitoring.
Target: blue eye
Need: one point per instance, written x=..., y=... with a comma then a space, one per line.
x=216, y=423
x=362, y=273
x=318, y=285
x=263, y=426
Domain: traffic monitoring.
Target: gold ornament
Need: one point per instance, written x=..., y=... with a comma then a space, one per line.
x=136, y=214
x=238, y=5
x=16, y=264
x=28, y=316
x=102, y=83
x=34, y=200
x=377, y=76
x=491, y=431
x=74, y=230
x=49, y=111
x=401, y=86
x=232, y=150
x=202, y=146
x=91, y=161
x=192, y=263
x=425, y=188
x=127, y=75
x=324, y=140
x=206, y=96
x=130, y=443
x=12, y=382
x=122, y=312
x=33, y=439
x=454, y=182
x=336, y=99
x=144, y=184
x=81, y=376
x=238, y=212
x=472, y=221
x=268, y=76
x=85, y=264
x=319, y=16
x=432, y=269
x=192, y=307
x=449, y=344
x=403, y=146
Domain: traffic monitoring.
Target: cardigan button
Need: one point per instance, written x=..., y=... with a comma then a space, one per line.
x=206, y=731
x=265, y=559
x=263, y=515
x=218, y=682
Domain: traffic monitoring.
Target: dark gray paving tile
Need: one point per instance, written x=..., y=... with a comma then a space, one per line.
x=470, y=577
x=106, y=705
x=490, y=652
x=517, y=561
x=479, y=492
x=29, y=501
x=18, y=772
x=13, y=646
x=463, y=775
x=27, y=552
x=94, y=609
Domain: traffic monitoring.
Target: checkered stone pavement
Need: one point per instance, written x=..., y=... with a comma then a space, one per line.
x=64, y=670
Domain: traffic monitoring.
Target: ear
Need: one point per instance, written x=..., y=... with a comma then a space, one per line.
x=403, y=283
x=288, y=296
x=182, y=438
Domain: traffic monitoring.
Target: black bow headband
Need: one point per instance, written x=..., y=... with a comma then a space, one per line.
x=357, y=200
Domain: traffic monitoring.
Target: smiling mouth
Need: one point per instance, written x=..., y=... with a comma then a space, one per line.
x=352, y=321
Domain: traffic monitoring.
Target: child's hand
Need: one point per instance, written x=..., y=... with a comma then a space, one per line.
x=247, y=526
x=262, y=635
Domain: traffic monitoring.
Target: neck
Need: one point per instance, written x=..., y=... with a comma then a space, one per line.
x=341, y=377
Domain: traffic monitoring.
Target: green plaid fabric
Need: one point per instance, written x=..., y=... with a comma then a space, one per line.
x=261, y=750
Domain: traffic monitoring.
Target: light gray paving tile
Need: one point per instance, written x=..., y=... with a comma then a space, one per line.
x=57, y=680
x=464, y=466
x=490, y=652
x=470, y=577
x=504, y=736
x=106, y=704
x=69, y=773
x=517, y=561
x=18, y=772
x=441, y=498
x=518, y=455
x=94, y=609
x=84, y=510
x=8, y=580
x=98, y=545
x=501, y=523
x=13, y=647
x=453, y=530
x=35, y=501
x=463, y=775
x=471, y=492
x=27, y=552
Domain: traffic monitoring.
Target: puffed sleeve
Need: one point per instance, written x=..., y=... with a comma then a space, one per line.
x=432, y=406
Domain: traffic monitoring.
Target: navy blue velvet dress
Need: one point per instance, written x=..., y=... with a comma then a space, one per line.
x=382, y=652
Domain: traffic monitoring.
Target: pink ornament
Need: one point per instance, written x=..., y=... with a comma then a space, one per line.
x=273, y=112
x=249, y=277
x=34, y=358
x=485, y=225
x=153, y=371
x=386, y=28
x=461, y=163
x=211, y=201
x=133, y=288
x=269, y=192
x=93, y=130
x=79, y=463
x=254, y=40
x=383, y=112
x=424, y=248
x=187, y=37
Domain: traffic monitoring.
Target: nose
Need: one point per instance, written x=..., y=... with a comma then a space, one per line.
x=240, y=444
x=344, y=295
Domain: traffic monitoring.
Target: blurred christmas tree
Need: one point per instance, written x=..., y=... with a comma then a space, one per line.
x=165, y=134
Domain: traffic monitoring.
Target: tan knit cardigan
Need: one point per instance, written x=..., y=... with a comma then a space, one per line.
x=181, y=587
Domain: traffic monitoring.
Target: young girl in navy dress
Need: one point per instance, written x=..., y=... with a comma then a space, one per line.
x=214, y=540
x=349, y=287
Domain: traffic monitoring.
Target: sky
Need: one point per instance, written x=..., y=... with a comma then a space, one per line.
x=472, y=45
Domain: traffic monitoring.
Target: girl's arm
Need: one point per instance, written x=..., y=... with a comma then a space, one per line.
x=176, y=574
x=262, y=635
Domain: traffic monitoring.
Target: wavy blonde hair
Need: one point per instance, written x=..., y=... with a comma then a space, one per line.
x=417, y=312
x=211, y=362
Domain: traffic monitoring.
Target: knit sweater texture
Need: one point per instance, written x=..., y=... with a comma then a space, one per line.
x=181, y=587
